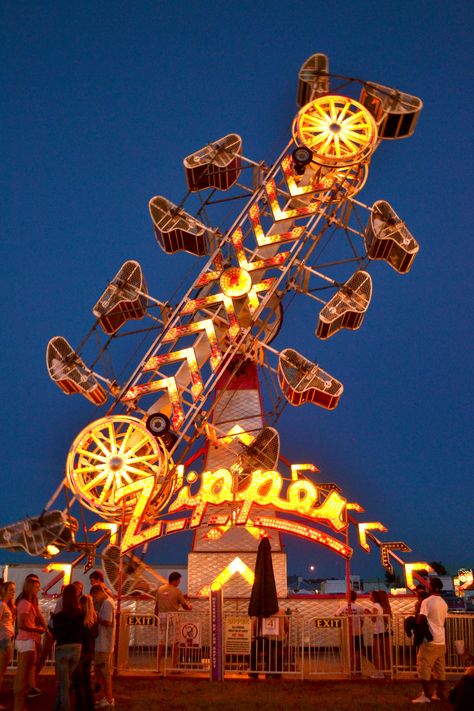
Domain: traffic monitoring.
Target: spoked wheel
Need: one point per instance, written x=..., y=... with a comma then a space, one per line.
x=339, y=131
x=109, y=454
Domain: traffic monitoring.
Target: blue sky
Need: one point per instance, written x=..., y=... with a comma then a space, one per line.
x=101, y=103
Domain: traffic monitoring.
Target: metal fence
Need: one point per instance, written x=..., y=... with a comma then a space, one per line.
x=301, y=645
x=296, y=645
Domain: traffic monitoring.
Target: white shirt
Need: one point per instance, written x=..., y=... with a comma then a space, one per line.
x=356, y=612
x=435, y=610
x=105, y=638
x=379, y=624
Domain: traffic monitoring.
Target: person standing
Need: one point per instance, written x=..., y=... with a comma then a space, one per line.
x=169, y=598
x=68, y=625
x=387, y=611
x=7, y=627
x=104, y=644
x=82, y=676
x=97, y=578
x=355, y=612
x=378, y=633
x=30, y=628
x=431, y=655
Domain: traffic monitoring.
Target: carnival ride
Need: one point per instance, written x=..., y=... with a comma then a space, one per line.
x=209, y=385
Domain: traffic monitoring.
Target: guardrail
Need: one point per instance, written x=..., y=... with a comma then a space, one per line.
x=300, y=646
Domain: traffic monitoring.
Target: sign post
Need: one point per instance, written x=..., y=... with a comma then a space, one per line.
x=217, y=647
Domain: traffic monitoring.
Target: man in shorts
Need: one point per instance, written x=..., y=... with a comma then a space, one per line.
x=431, y=655
x=169, y=598
x=104, y=644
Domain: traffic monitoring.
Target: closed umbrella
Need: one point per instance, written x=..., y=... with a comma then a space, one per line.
x=263, y=602
x=263, y=598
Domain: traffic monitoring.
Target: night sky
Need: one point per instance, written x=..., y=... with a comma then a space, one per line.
x=102, y=101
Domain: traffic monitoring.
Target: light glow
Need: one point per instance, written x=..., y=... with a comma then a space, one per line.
x=64, y=568
x=411, y=568
x=108, y=454
x=302, y=531
x=236, y=566
x=263, y=489
x=372, y=526
x=339, y=131
x=235, y=282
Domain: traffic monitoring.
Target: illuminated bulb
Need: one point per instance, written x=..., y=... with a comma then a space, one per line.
x=235, y=282
x=52, y=549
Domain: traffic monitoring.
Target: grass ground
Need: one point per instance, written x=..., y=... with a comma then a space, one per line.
x=180, y=694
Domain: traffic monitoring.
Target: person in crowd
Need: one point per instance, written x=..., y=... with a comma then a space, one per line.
x=82, y=676
x=7, y=627
x=416, y=626
x=169, y=598
x=431, y=654
x=31, y=626
x=387, y=612
x=354, y=611
x=461, y=696
x=378, y=633
x=68, y=625
x=104, y=644
x=97, y=578
x=46, y=644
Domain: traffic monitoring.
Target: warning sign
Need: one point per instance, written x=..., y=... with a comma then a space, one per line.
x=238, y=635
x=189, y=634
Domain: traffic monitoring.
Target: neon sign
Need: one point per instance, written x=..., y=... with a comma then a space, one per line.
x=264, y=488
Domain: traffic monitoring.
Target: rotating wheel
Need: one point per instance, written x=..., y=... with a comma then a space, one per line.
x=111, y=453
x=339, y=131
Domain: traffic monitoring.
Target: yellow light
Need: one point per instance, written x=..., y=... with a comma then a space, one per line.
x=236, y=566
x=295, y=468
x=169, y=384
x=113, y=451
x=204, y=325
x=262, y=239
x=176, y=525
x=64, y=568
x=385, y=549
x=103, y=526
x=278, y=214
x=354, y=506
x=263, y=489
x=132, y=536
x=338, y=130
x=311, y=534
x=411, y=568
x=372, y=526
x=237, y=432
x=52, y=550
x=235, y=282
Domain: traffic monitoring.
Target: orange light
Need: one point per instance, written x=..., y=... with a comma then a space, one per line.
x=133, y=537
x=363, y=527
x=302, y=531
x=263, y=489
x=236, y=566
x=235, y=282
x=105, y=526
x=411, y=568
x=64, y=568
